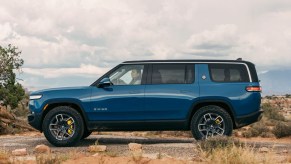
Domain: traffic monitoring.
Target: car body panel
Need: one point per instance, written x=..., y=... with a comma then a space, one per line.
x=152, y=106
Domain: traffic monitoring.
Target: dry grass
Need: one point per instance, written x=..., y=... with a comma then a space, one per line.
x=48, y=159
x=57, y=158
x=4, y=156
x=224, y=150
x=282, y=129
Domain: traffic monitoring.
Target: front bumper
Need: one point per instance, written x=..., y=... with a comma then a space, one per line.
x=35, y=121
x=248, y=119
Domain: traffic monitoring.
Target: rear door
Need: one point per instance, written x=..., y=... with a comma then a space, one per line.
x=170, y=91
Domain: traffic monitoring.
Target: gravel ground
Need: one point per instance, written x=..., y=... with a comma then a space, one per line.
x=174, y=147
x=183, y=148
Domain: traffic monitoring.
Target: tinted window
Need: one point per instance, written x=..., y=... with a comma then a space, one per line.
x=190, y=73
x=228, y=73
x=127, y=75
x=172, y=74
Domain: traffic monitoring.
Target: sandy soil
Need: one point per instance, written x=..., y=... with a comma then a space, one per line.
x=171, y=149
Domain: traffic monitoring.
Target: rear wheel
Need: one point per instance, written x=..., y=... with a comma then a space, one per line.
x=211, y=121
x=63, y=126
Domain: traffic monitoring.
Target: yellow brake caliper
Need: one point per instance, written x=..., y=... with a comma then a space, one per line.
x=70, y=129
x=218, y=121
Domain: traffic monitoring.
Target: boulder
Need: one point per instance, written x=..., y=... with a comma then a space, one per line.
x=134, y=147
x=97, y=148
x=19, y=152
x=264, y=150
x=42, y=149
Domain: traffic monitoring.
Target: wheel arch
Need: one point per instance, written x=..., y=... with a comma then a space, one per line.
x=221, y=103
x=51, y=105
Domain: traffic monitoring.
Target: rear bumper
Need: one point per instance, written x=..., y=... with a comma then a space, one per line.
x=248, y=119
x=34, y=120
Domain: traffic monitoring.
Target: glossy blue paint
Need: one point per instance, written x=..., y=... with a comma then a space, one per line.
x=117, y=103
x=151, y=102
x=233, y=93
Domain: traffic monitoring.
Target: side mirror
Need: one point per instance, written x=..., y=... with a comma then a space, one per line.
x=104, y=82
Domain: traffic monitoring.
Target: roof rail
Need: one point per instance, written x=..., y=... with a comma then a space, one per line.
x=239, y=59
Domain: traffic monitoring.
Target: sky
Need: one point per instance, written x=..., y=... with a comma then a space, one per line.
x=72, y=43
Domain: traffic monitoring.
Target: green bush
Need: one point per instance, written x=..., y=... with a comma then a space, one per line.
x=282, y=129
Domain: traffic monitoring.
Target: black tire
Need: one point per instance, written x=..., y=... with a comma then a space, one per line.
x=203, y=122
x=52, y=129
x=86, y=134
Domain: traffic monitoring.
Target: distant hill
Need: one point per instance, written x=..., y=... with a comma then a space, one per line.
x=277, y=82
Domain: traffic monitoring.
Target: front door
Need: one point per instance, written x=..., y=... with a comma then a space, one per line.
x=123, y=100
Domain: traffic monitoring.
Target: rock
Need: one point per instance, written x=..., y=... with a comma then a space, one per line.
x=152, y=156
x=97, y=148
x=95, y=155
x=134, y=147
x=42, y=149
x=285, y=151
x=19, y=152
x=263, y=150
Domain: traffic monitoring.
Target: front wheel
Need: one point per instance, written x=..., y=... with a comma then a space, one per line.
x=86, y=134
x=211, y=121
x=63, y=126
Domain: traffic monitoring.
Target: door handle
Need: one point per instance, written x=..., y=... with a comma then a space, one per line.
x=134, y=92
x=184, y=91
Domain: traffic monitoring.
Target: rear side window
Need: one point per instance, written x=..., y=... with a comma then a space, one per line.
x=228, y=73
x=172, y=74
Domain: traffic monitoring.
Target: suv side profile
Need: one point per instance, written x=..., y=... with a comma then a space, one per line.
x=208, y=97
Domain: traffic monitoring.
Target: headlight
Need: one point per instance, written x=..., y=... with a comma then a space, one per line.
x=34, y=97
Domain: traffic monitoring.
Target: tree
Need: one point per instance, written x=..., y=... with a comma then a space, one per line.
x=11, y=92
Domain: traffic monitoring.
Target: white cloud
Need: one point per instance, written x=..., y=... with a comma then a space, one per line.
x=60, y=35
x=83, y=70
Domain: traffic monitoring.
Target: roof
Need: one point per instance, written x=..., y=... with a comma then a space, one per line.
x=182, y=61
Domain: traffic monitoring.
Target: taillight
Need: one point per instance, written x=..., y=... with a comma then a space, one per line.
x=254, y=89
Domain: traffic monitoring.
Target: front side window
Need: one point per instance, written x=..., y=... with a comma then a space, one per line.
x=228, y=73
x=172, y=74
x=127, y=75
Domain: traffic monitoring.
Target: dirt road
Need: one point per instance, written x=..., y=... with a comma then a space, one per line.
x=175, y=147
x=115, y=144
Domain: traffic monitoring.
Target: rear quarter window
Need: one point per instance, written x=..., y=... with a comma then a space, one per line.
x=228, y=73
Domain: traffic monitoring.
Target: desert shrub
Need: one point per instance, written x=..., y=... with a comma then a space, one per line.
x=218, y=142
x=48, y=159
x=225, y=150
x=272, y=112
x=233, y=154
x=282, y=129
x=256, y=129
x=4, y=156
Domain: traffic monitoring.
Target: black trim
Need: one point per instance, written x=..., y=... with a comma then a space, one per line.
x=34, y=120
x=192, y=109
x=190, y=67
x=248, y=119
x=149, y=74
x=144, y=74
x=138, y=125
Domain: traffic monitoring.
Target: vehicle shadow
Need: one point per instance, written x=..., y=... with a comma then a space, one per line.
x=126, y=140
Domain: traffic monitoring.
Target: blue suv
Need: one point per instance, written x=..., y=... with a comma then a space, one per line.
x=208, y=97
